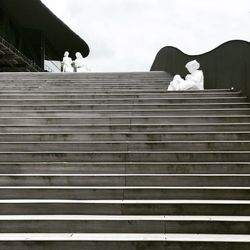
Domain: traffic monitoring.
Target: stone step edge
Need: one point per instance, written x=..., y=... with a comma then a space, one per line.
x=125, y=142
x=41, y=91
x=45, y=237
x=123, y=110
x=130, y=152
x=134, y=98
x=128, y=124
x=128, y=104
x=128, y=133
x=113, y=92
x=122, y=202
x=124, y=218
x=129, y=98
x=125, y=175
x=128, y=117
x=220, y=188
x=125, y=163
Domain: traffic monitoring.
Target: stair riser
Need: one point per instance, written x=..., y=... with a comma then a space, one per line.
x=122, y=245
x=89, y=87
x=124, y=209
x=148, y=89
x=205, y=227
x=49, y=89
x=120, y=107
x=116, y=101
x=128, y=181
x=57, y=78
x=115, y=113
x=39, y=120
x=123, y=137
x=125, y=157
x=123, y=146
x=111, y=94
x=117, y=81
x=127, y=194
x=202, y=127
x=85, y=83
x=122, y=168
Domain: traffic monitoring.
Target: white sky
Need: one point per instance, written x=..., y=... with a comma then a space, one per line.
x=125, y=35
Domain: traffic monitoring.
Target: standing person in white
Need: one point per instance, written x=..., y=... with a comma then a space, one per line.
x=67, y=63
x=79, y=63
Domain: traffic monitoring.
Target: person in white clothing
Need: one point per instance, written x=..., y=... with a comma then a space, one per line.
x=79, y=63
x=67, y=63
x=193, y=81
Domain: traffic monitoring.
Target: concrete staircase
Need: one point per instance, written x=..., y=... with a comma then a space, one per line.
x=113, y=160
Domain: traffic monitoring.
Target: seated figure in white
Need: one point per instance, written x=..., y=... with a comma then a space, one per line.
x=193, y=81
x=79, y=63
x=67, y=63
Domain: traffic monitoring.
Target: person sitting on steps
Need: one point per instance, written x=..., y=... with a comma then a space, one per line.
x=193, y=81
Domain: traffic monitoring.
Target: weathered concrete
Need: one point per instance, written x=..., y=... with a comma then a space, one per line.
x=120, y=144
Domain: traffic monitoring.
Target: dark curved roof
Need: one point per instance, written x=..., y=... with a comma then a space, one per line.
x=226, y=66
x=34, y=14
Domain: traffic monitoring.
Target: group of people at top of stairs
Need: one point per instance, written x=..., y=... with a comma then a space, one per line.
x=78, y=65
x=193, y=81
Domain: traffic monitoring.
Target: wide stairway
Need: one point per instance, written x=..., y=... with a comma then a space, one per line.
x=113, y=161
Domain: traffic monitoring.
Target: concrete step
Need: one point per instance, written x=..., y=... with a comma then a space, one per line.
x=96, y=107
x=55, y=85
x=85, y=83
x=124, y=193
x=135, y=100
x=125, y=119
x=72, y=89
x=95, y=82
x=126, y=207
x=126, y=180
x=125, y=156
x=106, y=91
x=119, y=93
x=125, y=224
x=125, y=136
x=126, y=127
x=124, y=167
x=120, y=145
x=85, y=76
x=51, y=90
x=134, y=112
x=118, y=80
x=123, y=241
x=132, y=146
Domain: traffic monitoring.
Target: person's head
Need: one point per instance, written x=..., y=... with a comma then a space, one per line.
x=78, y=55
x=66, y=54
x=192, y=66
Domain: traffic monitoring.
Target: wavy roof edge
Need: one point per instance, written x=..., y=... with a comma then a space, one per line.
x=38, y=16
x=235, y=42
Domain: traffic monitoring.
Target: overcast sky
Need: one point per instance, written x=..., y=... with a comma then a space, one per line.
x=125, y=35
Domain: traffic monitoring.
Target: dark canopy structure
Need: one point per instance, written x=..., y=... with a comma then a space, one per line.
x=36, y=32
x=224, y=67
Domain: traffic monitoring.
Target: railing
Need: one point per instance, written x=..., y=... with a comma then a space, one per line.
x=31, y=64
x=48, y=68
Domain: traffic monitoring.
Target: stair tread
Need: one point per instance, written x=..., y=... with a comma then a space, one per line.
x=124, y=237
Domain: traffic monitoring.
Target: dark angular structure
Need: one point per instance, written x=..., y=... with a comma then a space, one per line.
x=30, y=33
x=224, y=67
